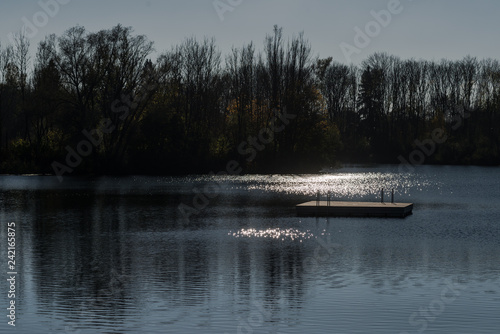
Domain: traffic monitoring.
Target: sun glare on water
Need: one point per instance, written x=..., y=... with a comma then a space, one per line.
x=275, y=233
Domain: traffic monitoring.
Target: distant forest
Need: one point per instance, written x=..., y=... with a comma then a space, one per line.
x=95, y=103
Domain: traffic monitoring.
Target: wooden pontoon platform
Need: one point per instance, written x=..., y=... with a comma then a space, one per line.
x=354, y=209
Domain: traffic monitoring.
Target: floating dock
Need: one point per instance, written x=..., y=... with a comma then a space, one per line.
x=354, y=209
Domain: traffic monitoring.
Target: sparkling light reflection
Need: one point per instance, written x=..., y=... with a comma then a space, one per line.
x=276, y=233
x=342, y=185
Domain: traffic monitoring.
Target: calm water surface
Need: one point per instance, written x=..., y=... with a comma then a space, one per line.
x=115, y=255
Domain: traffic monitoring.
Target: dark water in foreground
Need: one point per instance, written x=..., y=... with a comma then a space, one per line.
x=113, y=255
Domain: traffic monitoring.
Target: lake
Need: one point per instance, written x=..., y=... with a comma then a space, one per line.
x=116, y=255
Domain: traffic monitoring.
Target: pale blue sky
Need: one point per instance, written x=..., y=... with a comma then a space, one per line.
x=428, y=29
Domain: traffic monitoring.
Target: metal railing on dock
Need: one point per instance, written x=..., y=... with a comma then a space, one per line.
x=329, y=197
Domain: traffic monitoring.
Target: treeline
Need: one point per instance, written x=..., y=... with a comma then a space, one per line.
x=96, y=103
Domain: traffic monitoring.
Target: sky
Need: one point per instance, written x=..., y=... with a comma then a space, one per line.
x=347, y=30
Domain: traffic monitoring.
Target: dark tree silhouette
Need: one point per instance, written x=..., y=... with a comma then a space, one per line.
x=192, y=110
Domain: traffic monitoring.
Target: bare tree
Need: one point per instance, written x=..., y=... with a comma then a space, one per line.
x=21, y=60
